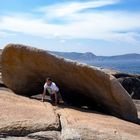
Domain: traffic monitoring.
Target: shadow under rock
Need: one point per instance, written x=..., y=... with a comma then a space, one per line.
x=83, y=108
x=80, y=106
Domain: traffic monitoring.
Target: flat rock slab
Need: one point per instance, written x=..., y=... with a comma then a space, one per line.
x=24, y=70
x=21, y=115
x=91, y=125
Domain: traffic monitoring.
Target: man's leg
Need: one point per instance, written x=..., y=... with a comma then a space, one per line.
x=60, y=100
x=56, y=98
x=52, y=96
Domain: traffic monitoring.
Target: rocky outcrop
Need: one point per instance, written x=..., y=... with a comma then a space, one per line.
x=78, y=124
x=24, y=70
x=123, y=75
x=21, y=116
x=132, y=85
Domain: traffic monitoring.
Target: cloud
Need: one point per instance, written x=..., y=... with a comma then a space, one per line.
x=66, y=9
x=102, y=25
x=132, y=38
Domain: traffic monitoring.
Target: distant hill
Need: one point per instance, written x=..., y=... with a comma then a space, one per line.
x=76, y=56
x=90, y=57
x=132, y=56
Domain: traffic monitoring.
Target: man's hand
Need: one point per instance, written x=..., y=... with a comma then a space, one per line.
x=42, y=97
x=42, y=100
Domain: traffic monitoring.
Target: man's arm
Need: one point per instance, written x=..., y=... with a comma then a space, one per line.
x=43, y=94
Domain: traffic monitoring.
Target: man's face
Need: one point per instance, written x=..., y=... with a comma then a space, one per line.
x=49, y=82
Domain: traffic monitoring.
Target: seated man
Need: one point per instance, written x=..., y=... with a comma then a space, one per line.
x=52, y=90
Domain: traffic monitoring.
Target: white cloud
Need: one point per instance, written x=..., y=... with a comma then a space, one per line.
x=104, y=25
x=66, y=9
x=130, y=37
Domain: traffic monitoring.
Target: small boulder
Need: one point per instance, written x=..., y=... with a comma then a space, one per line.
x=132, y=86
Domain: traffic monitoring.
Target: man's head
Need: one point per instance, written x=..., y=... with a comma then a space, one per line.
x=49, y=81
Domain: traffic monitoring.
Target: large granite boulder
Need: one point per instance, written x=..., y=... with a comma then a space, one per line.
x=24, y=70
x=20, y=116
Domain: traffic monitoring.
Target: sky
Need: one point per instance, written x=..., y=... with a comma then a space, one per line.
x=103, y=27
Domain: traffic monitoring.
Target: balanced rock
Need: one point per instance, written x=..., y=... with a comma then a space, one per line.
x=24, y=70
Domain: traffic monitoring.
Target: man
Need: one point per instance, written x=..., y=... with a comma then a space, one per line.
x=52, y=89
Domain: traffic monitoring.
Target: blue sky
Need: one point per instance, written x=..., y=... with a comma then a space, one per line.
x=104, y=27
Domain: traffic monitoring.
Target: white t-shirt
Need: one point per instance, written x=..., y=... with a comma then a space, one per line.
x=52, y=88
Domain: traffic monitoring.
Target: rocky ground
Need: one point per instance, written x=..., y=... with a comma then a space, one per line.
x=25, y=118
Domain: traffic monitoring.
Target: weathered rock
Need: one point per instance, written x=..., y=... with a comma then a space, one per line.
x=45, y=135
x=131, y=82
x=132, y=85
x=122, y=75
x=79, y=124
x=20, y=115
x=24, y=70
x=137, y=103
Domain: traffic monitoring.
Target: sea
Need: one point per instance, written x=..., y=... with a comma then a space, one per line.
x=126, y=66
